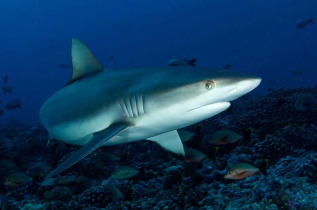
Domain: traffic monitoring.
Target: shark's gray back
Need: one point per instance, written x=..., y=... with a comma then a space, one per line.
x=90, y=95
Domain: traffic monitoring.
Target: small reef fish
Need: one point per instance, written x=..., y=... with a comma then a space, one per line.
x=227, y=66
x=241, y=171
x=112, y=189
x=193, y=155
x=303, y=23
x=224, y=136
x=16, y=104
x=244, y=170
x=39, y=169
x=17, y=179
x=124, y=172
x=64, y=66
x=297, y=72
x=5, y=79
x=182, y=62
x=7, y=89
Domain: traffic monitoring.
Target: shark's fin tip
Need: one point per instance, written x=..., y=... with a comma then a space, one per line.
x=97, y=141
x=171, y=142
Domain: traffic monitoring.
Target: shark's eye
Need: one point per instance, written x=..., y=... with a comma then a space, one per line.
x=209, y=85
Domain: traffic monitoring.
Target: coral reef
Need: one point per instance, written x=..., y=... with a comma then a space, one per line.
x=280, y=127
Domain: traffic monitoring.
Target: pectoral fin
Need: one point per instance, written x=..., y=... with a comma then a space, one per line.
x=170, y=141
x=98, y=140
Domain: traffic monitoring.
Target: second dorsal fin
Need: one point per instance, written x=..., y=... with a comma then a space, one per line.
x=84, y=62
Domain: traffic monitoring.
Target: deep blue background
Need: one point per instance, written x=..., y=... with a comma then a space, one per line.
x=256, y=36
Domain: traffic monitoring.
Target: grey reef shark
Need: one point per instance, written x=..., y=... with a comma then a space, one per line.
x=105, y=107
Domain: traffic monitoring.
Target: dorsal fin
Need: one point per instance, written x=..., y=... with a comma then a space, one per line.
x=84, y=62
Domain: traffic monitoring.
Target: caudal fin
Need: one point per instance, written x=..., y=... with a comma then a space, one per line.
x=311, y=20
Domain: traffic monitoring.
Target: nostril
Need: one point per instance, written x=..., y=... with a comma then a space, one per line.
x=234, y=90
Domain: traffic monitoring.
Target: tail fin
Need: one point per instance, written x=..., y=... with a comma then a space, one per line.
x=263, y=167
x=311, y=20
x=192, y=62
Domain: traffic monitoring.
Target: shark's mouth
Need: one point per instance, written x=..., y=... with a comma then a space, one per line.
x=204, y=112
x=211, y=106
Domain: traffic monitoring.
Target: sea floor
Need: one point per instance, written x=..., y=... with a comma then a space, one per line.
x=280, y=127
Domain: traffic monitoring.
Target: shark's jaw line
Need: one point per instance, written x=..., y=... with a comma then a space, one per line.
x=209, y=105
x=103, y=107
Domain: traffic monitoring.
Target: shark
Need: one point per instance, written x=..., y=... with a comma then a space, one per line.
x=105, y=107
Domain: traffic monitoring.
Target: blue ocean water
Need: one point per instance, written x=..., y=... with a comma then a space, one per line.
x=276, y=120
x=258, y=37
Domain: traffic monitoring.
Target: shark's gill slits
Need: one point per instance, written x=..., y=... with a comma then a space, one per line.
x=132, y=105
x=140, y=103
x=127, y=102
x=124, y=108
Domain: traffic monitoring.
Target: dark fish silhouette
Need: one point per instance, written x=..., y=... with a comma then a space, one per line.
x=5, y=79
x=297, y=72
x=303, y=23
x=16, y=104
x=228, y=66
x=64, y=65
x=182, y=62
x=7, y=89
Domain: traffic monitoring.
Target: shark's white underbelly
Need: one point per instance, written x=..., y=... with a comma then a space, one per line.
x=167, y=120
x=142, y=127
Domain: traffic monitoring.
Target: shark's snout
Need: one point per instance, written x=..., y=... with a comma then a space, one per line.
x=248, y=85
x=243, y=86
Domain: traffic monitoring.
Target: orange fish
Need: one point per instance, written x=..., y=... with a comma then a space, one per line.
x=243, y=170
x=224, y=136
